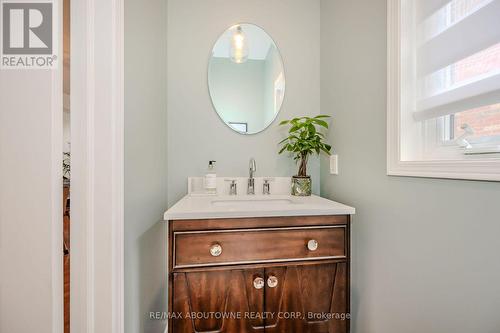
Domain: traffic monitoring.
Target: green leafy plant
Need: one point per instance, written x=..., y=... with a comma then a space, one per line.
x=304, y=139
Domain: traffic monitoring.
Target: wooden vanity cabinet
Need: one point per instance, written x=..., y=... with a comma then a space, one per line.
x=259, y=275
x=225, y=291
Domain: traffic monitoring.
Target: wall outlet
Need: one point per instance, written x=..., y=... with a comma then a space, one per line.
x=334, y=164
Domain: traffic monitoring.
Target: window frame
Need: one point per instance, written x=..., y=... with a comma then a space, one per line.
x=470, y=167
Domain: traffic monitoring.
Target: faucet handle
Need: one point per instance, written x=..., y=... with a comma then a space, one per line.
x=266, y=187
x=232, y=187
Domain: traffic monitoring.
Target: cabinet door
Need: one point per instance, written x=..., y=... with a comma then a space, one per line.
x=307, y=298
x=218, y=301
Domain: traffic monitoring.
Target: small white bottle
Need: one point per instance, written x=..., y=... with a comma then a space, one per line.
x=211, y=179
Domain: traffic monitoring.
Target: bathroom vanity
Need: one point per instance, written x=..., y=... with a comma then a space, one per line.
x=255, y=263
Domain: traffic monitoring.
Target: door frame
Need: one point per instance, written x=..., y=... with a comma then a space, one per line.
x=97, y=151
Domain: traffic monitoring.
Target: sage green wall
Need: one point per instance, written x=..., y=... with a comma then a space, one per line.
x=195, y=132
x=145, y=164
x=425, y=253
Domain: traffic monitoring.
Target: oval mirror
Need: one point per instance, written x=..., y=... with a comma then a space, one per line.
x=246, y=78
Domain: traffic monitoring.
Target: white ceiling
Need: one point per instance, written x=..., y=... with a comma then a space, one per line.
x=258, y=42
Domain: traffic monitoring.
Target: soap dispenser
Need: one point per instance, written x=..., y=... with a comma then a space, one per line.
x=211, y=179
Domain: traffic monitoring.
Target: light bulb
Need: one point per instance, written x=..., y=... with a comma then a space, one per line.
x=238, y=50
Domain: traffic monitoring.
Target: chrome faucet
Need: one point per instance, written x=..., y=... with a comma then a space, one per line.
x=251, y=181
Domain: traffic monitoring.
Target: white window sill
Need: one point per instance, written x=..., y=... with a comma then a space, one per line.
x=488, y=170
x=482, y=150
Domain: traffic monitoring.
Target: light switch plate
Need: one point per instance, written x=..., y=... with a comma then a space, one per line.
x=334, y=164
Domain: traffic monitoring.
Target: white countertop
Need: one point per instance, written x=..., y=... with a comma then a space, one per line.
x=225, y=206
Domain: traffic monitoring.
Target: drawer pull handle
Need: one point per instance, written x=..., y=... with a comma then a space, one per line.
x=272, y=281
x=216, y=250
x=258, y=283
x=312, y=245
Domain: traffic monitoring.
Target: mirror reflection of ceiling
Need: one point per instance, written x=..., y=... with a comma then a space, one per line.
x=258, y=41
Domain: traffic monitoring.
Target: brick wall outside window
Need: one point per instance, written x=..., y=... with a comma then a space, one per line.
x=484, y=120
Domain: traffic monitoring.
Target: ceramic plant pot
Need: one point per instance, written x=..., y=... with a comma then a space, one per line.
x=301, y=186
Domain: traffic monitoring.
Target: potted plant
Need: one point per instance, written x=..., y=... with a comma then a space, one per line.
x=304, y=139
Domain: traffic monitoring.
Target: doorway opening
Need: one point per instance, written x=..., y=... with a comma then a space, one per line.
x=66, y=162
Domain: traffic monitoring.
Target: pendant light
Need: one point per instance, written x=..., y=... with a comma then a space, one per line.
x=238, y=50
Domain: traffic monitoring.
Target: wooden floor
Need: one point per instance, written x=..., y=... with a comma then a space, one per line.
x=66, y=251
x=66, y=293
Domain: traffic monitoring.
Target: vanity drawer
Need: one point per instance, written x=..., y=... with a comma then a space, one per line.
x=245, y=246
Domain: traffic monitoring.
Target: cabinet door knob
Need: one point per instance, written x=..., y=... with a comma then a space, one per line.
x=216, y=250
x=258, y=283
x=312, y=245
x=272, y=281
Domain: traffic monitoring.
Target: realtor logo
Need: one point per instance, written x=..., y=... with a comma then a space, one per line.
x=28, y=34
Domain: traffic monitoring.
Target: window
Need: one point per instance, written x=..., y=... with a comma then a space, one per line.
x=444, y=88
x=240, y=127
x=279, y=92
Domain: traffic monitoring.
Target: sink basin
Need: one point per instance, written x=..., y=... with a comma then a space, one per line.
x=251, y=202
